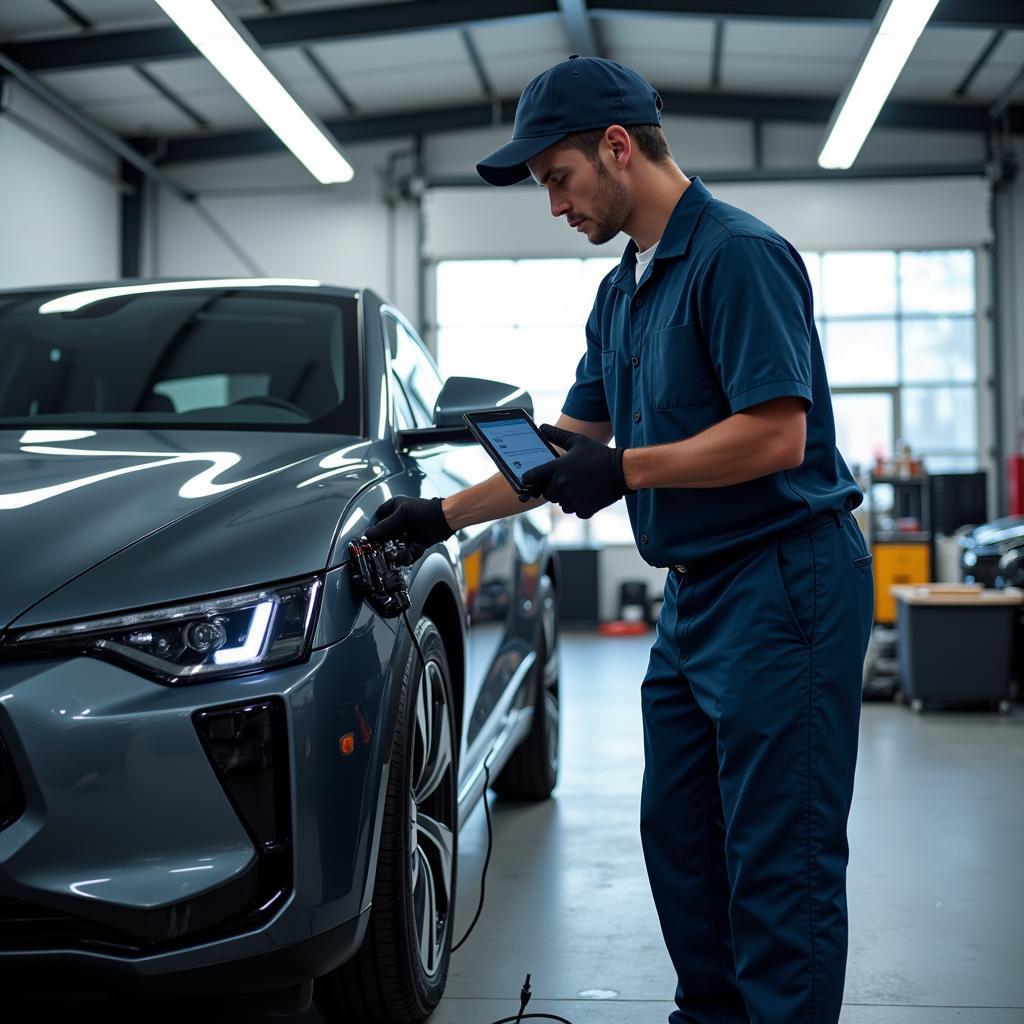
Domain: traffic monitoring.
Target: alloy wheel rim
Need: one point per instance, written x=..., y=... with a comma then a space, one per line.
x=431, y=819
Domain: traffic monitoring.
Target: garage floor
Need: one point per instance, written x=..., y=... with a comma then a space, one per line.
x=936, y=834
x=937, y=862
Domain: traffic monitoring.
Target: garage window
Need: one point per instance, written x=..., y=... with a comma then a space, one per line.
x=899, y=332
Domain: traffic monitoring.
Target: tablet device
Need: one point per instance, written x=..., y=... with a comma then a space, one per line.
x=512, y=440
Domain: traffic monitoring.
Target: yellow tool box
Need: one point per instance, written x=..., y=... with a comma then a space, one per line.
x=897, y=563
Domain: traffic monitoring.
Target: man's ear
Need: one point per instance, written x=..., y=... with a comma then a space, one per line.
x=620, y=144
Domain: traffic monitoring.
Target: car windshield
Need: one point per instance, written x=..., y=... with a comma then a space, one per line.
x=229, y=357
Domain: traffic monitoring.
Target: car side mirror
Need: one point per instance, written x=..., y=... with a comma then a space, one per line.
x=458, y=396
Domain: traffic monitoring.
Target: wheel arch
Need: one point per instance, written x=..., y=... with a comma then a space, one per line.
x=441, y=607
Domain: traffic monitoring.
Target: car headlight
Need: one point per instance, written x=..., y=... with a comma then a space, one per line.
x=190, y=643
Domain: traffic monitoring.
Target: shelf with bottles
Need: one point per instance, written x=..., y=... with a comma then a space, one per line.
x=896, y=495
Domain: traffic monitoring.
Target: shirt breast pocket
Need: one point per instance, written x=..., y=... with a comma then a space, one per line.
x=678, y=368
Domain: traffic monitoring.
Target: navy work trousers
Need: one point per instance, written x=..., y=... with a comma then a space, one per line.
x=751, y=708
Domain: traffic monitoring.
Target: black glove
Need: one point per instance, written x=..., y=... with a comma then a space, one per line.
x=587, y=478
x=418, y=523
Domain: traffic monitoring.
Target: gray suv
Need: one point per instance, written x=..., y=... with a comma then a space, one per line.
x=220, y=769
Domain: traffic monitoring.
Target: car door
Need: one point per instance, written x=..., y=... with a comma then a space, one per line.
x=489, y=555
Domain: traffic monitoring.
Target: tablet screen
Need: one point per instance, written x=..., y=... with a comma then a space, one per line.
x=517, y=443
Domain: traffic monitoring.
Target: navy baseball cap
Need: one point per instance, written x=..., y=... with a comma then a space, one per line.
x=578, y=95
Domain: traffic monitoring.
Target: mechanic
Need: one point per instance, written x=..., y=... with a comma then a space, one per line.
x=703, y=361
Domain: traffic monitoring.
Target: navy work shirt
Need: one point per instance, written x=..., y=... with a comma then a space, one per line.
x=720, y=321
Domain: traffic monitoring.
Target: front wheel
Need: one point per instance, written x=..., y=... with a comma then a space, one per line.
x=399, y=974
x=532, y=771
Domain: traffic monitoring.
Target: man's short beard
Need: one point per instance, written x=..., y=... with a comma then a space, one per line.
x=611, y=207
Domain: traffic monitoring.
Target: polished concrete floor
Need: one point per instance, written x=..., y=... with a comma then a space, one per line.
x=936, y=879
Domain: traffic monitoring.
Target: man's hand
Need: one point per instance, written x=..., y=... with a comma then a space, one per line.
x=418, y=522
x=587, y=478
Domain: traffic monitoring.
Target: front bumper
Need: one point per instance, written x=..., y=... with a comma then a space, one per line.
x=126, y=820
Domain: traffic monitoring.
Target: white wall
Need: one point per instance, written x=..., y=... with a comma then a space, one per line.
x=916, y=213
x=287, y=225
x=60, y=212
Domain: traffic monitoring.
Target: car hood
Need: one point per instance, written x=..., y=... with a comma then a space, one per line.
x=93, y=521
x=998, y=532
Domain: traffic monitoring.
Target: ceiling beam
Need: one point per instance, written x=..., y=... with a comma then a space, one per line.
x=957, y=13
x=303, y=28
x=798, y=109
x=717, y=48
x=579, y=28
x=472, y=51
x=287, y=29
x=982, y=59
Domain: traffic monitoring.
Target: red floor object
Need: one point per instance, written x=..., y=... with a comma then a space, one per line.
x=621, y=628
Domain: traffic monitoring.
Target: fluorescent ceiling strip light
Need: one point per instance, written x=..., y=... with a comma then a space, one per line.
x=74, y=301
x=858, y=108
x=226, y=47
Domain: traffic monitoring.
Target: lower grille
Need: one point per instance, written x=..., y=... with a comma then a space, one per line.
x=30, y=926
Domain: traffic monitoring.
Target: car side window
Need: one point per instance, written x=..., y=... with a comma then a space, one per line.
x=401, y=412
x=415, y=370
x=403, y=418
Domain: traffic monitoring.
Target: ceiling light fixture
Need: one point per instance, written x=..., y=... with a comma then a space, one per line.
x=898, y=25
x=224, y=41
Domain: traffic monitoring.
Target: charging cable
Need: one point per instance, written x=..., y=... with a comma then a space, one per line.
x=525, y=993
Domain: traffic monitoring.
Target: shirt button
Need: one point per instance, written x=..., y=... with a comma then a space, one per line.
x=643, y=538
x=638, y=302
x=635, y=360
x=636, y=417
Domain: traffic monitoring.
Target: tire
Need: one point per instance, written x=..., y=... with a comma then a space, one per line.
x=531, y=773
x=399, y=974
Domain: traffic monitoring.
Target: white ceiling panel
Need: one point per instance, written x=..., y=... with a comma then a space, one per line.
x=24, y=18
x=309, y=5
x=118, y=14
x=1010, y=50
x=304, y=81
x=668, y=69
x=513, y=52
x=938, y=63
x=195, y=81
x=950, y=45
x=798, y=41
x=510, y=72
x=810, y=77
x=141, y=116
x=409, y=71
x=510, y=38
x=679, y=35
x=416, y=88
x=672, y=53
x=1000, y=68
x=393, y=55
x=121, y=100
x=98, y=85
x=928, y=81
